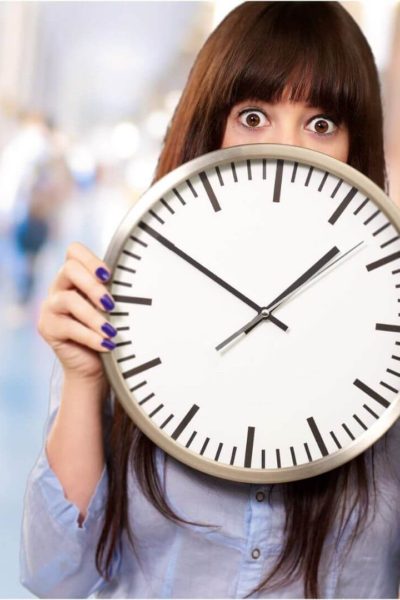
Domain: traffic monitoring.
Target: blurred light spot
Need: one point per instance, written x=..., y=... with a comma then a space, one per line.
x=157, y=123
x=139, y=173
x=125, y=140
x=171, y=100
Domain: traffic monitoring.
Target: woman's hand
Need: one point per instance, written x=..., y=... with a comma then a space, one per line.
x=72, y=319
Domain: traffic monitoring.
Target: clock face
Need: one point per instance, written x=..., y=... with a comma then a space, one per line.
x=257, y=305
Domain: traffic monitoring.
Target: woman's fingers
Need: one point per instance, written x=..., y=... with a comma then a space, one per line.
x=67, y=316
x=75, y=275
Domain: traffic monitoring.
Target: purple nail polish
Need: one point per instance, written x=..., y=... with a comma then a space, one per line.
x=108, y=344
x=107, y=302
x=102, y=274
x=109, y=330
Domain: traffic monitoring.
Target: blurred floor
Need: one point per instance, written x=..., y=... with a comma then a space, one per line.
x=26, y=362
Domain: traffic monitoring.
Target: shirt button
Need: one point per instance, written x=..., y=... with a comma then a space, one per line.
x=260, y=496
x=256, y=553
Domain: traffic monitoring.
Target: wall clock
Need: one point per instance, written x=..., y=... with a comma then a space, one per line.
x=257, y=309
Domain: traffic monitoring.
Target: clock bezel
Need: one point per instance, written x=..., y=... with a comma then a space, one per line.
x=118, y=241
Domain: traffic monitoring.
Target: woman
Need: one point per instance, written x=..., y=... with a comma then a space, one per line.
x=284, y=72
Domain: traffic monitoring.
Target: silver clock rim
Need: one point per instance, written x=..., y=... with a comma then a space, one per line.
x=137, y=414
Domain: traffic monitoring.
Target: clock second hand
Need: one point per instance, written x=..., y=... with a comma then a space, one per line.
x=165, y=242
x=291, y=291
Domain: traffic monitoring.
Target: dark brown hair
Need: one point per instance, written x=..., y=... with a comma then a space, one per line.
x=319, y=52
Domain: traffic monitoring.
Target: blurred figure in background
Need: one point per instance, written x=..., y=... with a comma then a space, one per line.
x=34, y=181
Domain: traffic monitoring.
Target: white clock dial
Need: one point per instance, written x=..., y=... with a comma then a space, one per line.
x=257, y=303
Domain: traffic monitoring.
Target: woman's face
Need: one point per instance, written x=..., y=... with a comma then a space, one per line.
x=293, y=123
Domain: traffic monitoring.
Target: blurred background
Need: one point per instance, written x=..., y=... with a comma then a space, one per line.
x=86, y=92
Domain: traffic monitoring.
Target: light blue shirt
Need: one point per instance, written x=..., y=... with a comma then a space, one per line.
x=225, y=560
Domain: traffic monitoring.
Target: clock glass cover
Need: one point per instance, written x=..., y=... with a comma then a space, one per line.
x=257, y=308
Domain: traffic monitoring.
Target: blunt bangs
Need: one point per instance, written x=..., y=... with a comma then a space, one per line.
x=271, y=59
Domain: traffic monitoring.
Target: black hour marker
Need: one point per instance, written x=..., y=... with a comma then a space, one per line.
x=336, y=188
x=294, y=172
x=308, y=452
x=343, y=205
x=167, y=206
x=394, y=239
x=155, y=411
x=383, y=261
x=185, y=422
x=148, y=365
x=167, y=420
x=131, y=254
x=370, y=392
x=321, y=185
x=218, y=171
x=190, y=440
x=249, y=446
x=203, y=448
x=155, y=215
x=389, y=387
x=395, y=357
x=278, y=458
x=120, y=344
x=248, y=162
x=363, y=203
x=146, y=399
x=333, y=436
x=293, y=456
x=139, y=385
x=132, y=299
x=317, y=436
x=233, y=455
x=135, y=239
x=264, y=169
x=119, y=314
x=123, y=283
x=278, y=181
x=387, y=327
x=381, y=229
x=347, y=430
x=234, y=172
x=263, y=459
x=218, y=451
x=120, y=360
x=375, y=214
x=177, y=194
x=190, y=185
x=310, y=172
x=126, y=269
x=360, y=422
x=123, y=328
x=371, y=412
x=393, y=372
x=209, y=191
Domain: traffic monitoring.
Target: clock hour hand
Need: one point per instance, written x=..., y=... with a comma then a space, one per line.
x=168, y=244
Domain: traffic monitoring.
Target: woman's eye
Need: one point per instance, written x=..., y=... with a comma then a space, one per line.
x=322, y=126
x=252, y=118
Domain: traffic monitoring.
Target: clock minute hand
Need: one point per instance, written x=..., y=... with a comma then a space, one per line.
x=168, y=244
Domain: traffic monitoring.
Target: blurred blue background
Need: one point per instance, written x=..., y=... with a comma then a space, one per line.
x=86, y=92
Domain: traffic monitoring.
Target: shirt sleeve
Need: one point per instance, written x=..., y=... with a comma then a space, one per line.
x=57, y=556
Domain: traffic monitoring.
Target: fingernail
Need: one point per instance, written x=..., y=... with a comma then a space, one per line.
x=107, y=302
x=108, y=344
x=102, y=274
x=109, y=330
